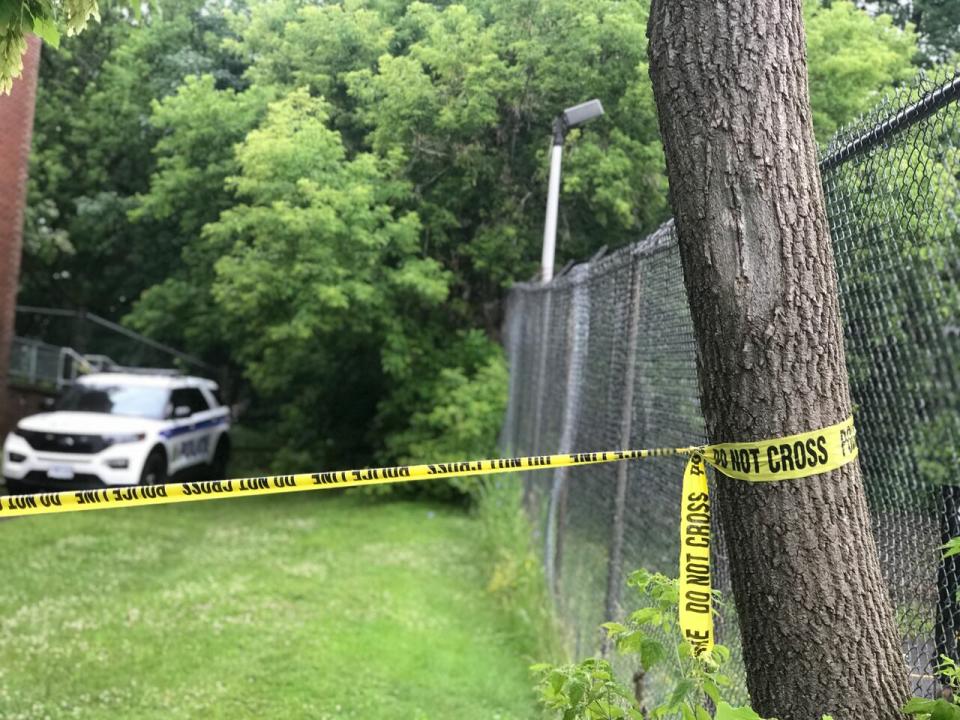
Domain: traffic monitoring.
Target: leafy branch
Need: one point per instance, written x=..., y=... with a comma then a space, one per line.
x=589, y=690
x=44, y=18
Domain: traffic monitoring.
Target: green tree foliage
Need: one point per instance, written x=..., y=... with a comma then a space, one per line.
x=936, y=21
x=199, y=126
x=449, y=105
x=853, y=58
x=467, y=94
x=347, y=249
x=45, y=18
x=315, y=255
x=92, y=155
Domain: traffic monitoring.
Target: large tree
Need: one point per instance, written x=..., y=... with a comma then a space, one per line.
x=92, y=155
x=730, y=81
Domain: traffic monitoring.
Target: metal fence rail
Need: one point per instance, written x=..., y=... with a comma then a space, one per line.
x=39, y=364
x=86, y=331
x=604, y=357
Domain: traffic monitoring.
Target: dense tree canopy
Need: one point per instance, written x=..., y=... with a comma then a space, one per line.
x=332, y=198
x=45, y=18
x=93, y=154
x=936, y=21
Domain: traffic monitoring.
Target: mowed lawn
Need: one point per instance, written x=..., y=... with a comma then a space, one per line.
x=300, y=606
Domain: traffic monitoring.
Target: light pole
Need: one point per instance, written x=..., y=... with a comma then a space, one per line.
x=569, y=118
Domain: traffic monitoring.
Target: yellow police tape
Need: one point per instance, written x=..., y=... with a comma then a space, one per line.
x=787, y=458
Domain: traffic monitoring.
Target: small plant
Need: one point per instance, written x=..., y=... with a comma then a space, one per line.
x=951, y=547
x=586, y=690
x=589, y=690
x=941, y=708
x=948, y=670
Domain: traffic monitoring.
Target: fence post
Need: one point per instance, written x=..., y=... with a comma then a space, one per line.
x=32, y=365
x=544, y=339
x=615, y=559
x=543, y=336
x=511, y=344
x=578, y=333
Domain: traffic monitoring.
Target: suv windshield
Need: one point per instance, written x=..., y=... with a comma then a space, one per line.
x=132, y=400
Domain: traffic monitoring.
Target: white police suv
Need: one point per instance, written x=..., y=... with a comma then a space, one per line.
x=121, y=428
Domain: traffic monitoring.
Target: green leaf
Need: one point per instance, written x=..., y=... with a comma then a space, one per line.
x=680, y=691
x=651, y=652
x=646, y=616
x=943, y=710
x=951, y=547
x=721, y=654
x=557, y=680
x=712, y=691
x=575, y=691
x=725, y=711
x=46, y=29
x=917, y=705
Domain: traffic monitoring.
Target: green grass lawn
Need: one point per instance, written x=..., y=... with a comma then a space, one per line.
x=300, y=606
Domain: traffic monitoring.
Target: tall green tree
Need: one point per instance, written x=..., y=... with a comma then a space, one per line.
x=92, y=154
x=199, y=126
x=144, y=174
x=453, y=103
x=319, y=258
x=853, y=60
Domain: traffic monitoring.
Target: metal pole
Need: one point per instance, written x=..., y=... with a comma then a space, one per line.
x=553, y=204
x=32, y=371
x=578, y=335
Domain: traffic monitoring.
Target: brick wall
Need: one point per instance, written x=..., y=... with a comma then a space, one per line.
x=16, y=128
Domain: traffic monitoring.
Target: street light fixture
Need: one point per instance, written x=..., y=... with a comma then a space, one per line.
x=569, y=118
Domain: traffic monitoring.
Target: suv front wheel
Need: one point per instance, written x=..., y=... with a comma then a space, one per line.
x=218, y=468
x=154, y=469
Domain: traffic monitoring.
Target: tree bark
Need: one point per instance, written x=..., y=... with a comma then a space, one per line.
x=730, y=83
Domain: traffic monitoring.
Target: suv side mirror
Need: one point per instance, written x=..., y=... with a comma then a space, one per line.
x=182, y=411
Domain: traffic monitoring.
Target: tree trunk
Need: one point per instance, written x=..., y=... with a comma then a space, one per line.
x=730, y=83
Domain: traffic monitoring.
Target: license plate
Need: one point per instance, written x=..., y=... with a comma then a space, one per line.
x=60, y=472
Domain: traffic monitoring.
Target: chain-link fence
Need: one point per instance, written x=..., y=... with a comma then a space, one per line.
x=604, y=357
x=85, y=333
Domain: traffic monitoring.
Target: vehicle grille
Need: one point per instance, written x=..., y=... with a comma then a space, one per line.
x=39, y=481
x=64, y=443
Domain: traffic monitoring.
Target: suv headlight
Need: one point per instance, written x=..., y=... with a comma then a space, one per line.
x=124, y=438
